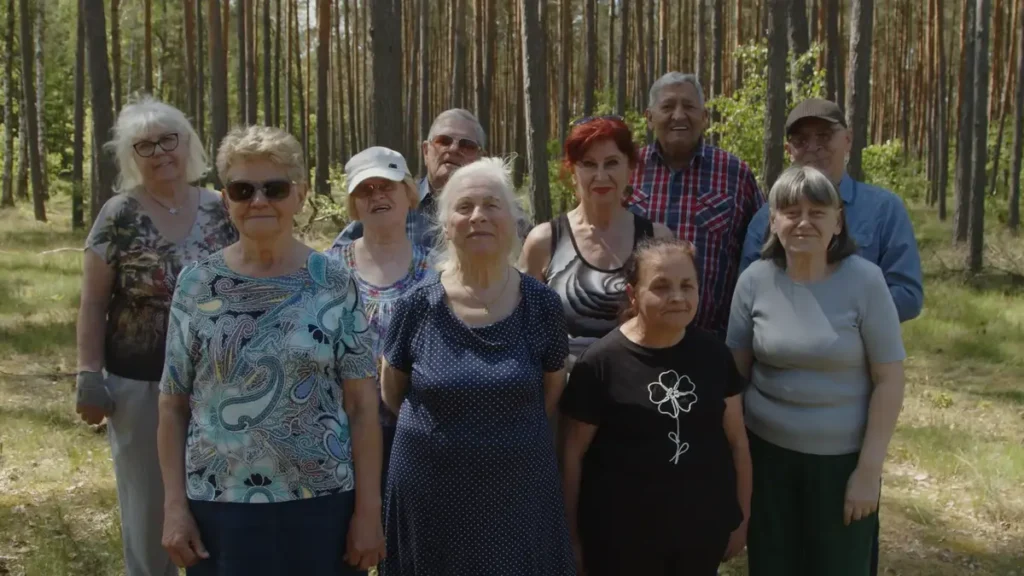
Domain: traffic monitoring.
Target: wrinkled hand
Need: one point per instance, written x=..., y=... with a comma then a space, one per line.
x=181, y=537
x=365, y=546
x=90, y=414
x=862, y=492
x=92, y=399
x=737, y=541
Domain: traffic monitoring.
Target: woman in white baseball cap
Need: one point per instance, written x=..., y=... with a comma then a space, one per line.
x=384, y=262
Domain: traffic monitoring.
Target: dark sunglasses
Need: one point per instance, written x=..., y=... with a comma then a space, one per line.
x=243, y=191
x=465, y=144
x=587, y=119
x=146, y=148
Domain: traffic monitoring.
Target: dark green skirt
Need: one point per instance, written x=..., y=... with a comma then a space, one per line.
x=796, y=515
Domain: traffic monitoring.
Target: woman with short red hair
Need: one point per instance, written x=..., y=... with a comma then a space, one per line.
x=580, y=254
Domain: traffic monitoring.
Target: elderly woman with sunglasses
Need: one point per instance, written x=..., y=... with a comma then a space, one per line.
x=580, y=254
x=268, y=407
x=143, y=236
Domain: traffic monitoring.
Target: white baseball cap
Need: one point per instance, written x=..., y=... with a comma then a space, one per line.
x=376, y=162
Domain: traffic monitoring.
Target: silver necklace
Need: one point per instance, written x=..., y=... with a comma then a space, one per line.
x=487, y=305
x=172, y=209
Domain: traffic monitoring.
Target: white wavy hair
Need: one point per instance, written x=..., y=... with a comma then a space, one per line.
x=141, y=116
x=496, y=174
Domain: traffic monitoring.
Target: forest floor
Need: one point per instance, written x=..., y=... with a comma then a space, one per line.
x=952, y=503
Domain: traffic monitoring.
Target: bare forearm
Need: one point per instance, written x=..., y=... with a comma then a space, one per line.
x=170, y=439
x=883, y=411
x=393, y=394
x=554, y=384
x=367, y=456
x=744, y=476
x=572, y=472
x=92, y=325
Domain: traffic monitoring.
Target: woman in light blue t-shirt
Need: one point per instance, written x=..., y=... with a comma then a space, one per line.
x=815, y=330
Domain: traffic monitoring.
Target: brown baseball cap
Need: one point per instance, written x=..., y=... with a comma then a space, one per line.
x=815, y=108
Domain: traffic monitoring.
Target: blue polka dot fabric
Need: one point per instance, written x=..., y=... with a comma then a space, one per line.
x=473, y=487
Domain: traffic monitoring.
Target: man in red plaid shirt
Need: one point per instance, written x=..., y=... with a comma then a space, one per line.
x=702, y=193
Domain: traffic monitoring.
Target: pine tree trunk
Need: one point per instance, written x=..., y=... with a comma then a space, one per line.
x=251, y=91
x=590, y=53
x=620, y=90
x=218, y=83
x=489, y=67
x=21, y=181
x=102, y=109
x=289, y=85
x=352, y=74
x=190, y=60
x=775, y=100
x=835, y=79
x=303, y=117
x=976, y=226
x=799, y=40
x=28, y=90
x=115, y=51
x=40, y=69
x=737, y=82
x=77, y=186
x=240, y=83
x=148, y=46
x=565, y=51
x=610, y=84
x=386, y=15
x=1013, y=220
x=277, y=62
x=1004, y=100
x=536, y=94
x=858, y=105
x=7, y=196
x=664, y=20
x=962, y=210
x=268, y=87
x=323, y=114
x=200, y=82
x=700, y=35
x=717, y=49
x=337, y=63
x=423, y=106
x=521, y=111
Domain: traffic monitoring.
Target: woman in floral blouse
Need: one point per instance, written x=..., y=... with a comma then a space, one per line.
x=385, y=264
x=141, y=239
x=268, y=407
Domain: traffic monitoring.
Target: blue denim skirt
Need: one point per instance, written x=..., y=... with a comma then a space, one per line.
x=299, y=537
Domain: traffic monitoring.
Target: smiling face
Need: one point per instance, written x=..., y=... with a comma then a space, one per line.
x=820, y=144
x=665, y=296
x=678, y=117
x=602, y=174
x=381, y=202
x=448, y=150
x=479, y=224
x=259, y=218
x=806, y=228
x=163, y=166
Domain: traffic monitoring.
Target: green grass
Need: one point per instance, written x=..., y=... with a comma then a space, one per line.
x=952, y=501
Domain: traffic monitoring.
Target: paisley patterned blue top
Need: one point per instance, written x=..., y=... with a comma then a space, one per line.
x=262, y=360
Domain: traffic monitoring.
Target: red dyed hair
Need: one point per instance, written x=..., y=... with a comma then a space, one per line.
x=583, y=136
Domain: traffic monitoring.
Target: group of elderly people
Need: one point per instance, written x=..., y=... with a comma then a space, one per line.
x=672, y=371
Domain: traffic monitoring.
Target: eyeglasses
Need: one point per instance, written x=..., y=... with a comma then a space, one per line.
x=244, y=191
x=820, y=139
x=146, y=148
x=587, y=119
x=465, y=144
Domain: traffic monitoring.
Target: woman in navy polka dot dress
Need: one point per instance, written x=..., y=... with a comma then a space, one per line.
x=473, y=364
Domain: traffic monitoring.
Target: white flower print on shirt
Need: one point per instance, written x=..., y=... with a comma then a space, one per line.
x=670, y=400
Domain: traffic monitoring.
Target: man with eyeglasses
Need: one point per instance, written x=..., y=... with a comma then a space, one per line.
x=455, y=139
x=703, y=194
x=817, y=135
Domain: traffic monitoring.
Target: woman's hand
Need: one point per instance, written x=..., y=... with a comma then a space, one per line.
x=862, y=492
x=365, y=546
x=92, y=399
x=737, y=541
x=181, y=537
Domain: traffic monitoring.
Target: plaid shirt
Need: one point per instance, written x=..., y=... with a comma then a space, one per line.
x=710, y=202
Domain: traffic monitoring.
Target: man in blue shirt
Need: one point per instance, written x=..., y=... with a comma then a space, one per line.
x=817, y=135
x=456, y=138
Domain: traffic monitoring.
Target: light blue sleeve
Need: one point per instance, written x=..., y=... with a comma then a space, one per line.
x=179, y=366
x=754, y=241
x=900, y=262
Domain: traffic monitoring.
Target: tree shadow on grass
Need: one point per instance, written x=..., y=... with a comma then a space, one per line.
x=35, y=338
x=50, y=417
x=40, y=239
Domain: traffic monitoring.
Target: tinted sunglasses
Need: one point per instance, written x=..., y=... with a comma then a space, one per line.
x=243, y=191
x=587, y=119
x=465, y=144
x=146, y=148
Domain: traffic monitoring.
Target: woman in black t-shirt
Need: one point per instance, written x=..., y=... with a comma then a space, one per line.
x=656, y=466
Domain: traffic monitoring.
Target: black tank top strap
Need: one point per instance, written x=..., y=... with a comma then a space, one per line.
x=642, y=228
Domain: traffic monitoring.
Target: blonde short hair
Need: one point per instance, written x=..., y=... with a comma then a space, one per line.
x=139, y=117
x=411, y=192
x=262, y=143
x=496, y=173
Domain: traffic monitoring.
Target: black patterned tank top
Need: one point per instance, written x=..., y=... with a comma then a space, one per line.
x=591, y=296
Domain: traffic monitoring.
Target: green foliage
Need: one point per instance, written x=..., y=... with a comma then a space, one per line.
x=740, y=125
x=885, y=166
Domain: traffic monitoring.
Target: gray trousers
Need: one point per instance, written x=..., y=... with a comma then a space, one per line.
x=140, y=490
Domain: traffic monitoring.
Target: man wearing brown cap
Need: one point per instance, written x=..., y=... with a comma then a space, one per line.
x=817, y=136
